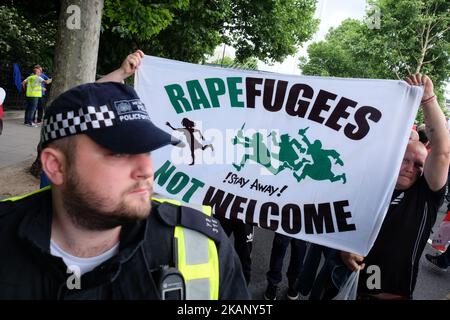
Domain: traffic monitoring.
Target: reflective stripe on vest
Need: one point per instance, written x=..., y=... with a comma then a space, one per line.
x=26, y=195
x=34, y=87
x=198, y=260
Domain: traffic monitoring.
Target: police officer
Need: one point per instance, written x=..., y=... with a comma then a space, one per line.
x=94, y=234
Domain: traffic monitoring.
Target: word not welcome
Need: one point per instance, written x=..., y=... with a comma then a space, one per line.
x=316, y=219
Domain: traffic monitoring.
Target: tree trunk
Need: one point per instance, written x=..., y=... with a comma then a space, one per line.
x=76, y=49
x=420, y=62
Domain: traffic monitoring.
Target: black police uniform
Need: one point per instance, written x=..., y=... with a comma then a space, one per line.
x=29, y=271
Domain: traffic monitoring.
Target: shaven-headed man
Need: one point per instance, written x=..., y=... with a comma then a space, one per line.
x=415, y=202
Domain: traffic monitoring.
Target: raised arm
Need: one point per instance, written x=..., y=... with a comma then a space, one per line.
x=170, y=126
x=128, y=67
x=299, y=146
x=200, y=133
x=437, y=162
x=275, y=141
x=302, y=132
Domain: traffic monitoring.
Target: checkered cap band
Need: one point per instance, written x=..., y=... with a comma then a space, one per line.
x=69, y=123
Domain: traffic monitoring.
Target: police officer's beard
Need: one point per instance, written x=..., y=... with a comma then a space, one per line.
x=85, y=208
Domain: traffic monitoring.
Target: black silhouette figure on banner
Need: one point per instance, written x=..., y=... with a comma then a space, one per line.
x=188, y=132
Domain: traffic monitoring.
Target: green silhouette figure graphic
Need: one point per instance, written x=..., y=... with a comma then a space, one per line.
x=188, y=132
x=288, y=156
x=260, y=153
x=320, y=169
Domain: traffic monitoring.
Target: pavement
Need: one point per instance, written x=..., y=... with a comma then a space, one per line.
x=433, y=284
x=18, y=143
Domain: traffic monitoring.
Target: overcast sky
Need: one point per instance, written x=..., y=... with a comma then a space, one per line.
x=331, y=13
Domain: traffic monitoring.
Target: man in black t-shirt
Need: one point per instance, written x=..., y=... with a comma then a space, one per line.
x=415, y=202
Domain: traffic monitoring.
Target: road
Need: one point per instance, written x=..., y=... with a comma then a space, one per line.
x=431, y=284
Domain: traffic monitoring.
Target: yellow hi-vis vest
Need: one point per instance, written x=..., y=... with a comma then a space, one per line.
x=198, y=260
x=34, y=87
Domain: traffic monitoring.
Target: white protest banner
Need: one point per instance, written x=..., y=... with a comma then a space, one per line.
x=309, y=157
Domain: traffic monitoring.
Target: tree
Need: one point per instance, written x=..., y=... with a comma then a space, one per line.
x=195, y=31
x=175, y=33
x=139, y=19
x=76, y=50
x=413, y=37
x=267, y=29
x=227, y=62
x=416, y=36
x=188, y=30
x=270, y=30
x=77, y=45
x=343, y=53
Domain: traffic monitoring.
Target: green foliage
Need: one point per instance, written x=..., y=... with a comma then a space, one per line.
x=270, y=30
x=413, y=37
x=25, y=41
x=225, y=62
x=139, y=19
x=228, y=62
x=267, y=29
x=186, y=30
x=343, y=53
x=195, y=31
